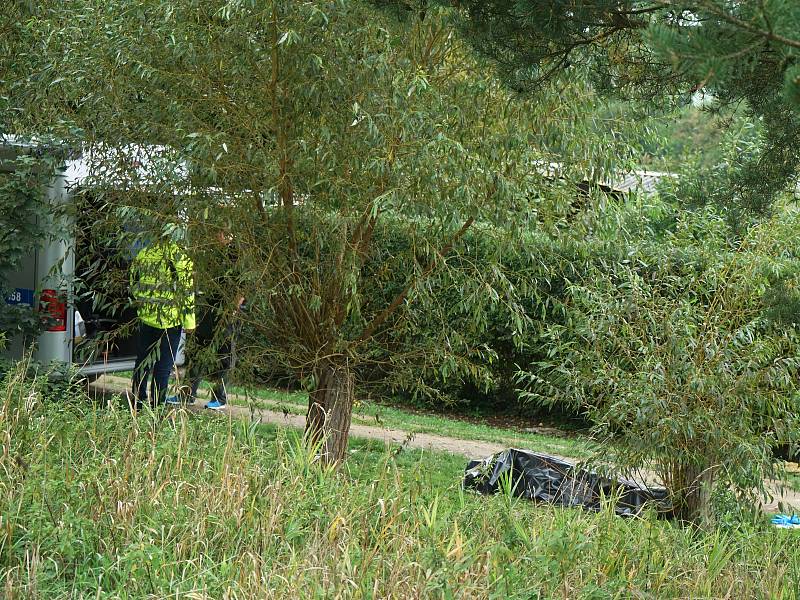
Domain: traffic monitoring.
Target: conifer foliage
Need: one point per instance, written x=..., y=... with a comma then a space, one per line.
x=738, y=53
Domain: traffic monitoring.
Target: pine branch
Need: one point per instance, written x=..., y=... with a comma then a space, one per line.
x=740, y=23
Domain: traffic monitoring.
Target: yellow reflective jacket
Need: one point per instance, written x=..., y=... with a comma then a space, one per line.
x=162, y=286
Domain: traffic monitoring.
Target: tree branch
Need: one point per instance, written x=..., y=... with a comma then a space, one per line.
x=285, y=191
x=370, y=329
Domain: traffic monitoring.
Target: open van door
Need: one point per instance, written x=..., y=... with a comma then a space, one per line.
x=106, y=342
x=41, y=285
x=63, y=281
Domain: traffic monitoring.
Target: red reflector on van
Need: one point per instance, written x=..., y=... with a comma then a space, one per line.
x=53, y=308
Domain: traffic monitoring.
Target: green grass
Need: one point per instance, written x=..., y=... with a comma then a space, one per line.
x=98, y=503
x=792, y=480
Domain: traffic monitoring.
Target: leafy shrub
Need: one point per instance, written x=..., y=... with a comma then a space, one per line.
x=672, y=355
x=536, y=269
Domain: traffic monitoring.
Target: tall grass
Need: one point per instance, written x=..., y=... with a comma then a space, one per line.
x=95, y=502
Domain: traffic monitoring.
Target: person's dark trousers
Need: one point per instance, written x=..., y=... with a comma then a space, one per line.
x=222, y=363
x=155, y=355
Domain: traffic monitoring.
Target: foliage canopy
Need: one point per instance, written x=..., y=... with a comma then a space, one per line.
x=303, y=126
x=740, y=53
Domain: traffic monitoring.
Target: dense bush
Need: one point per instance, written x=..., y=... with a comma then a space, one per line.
x=539, y=269
x=680, y=357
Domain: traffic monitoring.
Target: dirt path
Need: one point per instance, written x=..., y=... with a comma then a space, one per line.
x=423, y=441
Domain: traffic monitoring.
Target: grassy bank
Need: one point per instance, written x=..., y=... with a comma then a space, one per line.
x=97, y=503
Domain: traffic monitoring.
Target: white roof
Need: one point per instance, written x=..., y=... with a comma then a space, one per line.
x=643, y=181
x=632, y=181
x=132, y=165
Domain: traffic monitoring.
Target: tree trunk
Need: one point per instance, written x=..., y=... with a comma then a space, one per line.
x=330, y=408
x=691, y=487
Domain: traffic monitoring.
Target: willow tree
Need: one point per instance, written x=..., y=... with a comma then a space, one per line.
x=305, y=126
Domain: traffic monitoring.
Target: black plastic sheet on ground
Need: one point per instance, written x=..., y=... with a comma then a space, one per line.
x=545, y=478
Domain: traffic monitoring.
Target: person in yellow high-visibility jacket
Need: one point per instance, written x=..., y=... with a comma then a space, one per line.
x=162, y=285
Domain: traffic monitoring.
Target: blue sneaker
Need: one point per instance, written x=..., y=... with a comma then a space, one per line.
x=216, y=405
x=172, y=401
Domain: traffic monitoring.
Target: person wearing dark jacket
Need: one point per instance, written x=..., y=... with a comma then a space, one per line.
x=211, y=351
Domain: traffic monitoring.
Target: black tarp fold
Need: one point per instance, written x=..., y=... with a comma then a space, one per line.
x=546, y=478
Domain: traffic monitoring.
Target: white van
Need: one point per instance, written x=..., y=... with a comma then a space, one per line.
x=46, y=279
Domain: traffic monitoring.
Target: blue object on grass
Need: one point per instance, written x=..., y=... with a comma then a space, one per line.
x=785, y=520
